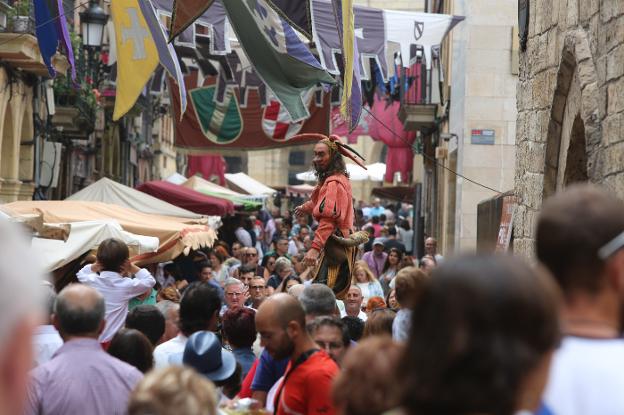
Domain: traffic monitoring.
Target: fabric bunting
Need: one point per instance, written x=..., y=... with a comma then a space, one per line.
x=211, y=24
x=208, y=126
x=282, y=60
x=424, y=29
x=51, y=29
x=351, y=101
x=184, y=13
x=137, y=56
x=297, y=13
x=166, y=53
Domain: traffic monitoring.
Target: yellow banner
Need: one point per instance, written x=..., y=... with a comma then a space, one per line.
x=137, y=56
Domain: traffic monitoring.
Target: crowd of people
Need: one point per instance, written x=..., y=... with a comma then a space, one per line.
x=242, y=328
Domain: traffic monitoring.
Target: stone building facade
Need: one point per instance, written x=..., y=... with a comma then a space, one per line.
x=482, y=115
x=570, y=104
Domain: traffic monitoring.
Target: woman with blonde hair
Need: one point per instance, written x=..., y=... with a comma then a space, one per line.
x=173, y=390
x=363, y=277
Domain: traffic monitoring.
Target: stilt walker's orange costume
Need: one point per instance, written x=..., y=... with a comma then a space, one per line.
x=331, y=204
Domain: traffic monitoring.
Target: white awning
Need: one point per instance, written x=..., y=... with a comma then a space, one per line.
x=85, y=236
x=109, y=191
x=246, y=184
x=176, y=178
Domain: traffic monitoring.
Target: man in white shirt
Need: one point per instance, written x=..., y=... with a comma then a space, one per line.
x=580, y=236
x=106, y=276
x=199, y=310
x=46, y=339
x=353, y=304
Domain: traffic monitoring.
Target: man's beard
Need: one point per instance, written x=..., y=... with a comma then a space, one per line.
x=319, y=170
x=286, y=350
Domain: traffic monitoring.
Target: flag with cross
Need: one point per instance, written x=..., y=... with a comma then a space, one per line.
x=137, y=56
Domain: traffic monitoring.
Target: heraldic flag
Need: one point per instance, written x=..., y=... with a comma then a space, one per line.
x=137, y=56
x=282, y=60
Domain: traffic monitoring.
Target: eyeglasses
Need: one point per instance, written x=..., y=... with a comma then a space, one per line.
x=233, y=294
x=251, y=254
x=611, y=247
x=256, y=287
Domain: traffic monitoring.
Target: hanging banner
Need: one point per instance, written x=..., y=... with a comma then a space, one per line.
x=235, y=117
x=211, y=24
x=370, y=36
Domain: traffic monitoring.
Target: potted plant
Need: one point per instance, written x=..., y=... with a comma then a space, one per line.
x=20, y=16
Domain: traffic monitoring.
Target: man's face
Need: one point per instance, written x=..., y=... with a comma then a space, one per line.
x=354, y=299
x=251, y=256
x=329, y=338
x=431, y=246
x=273, y=336
x=303, y=233
x=282, y=247
x=378, y=248
x=205, y=274
x=247, y=277
x=302, y=220
x=236, y=250
x=234, y=295
x=307, y=243
x=322, y=157
x=257, y=289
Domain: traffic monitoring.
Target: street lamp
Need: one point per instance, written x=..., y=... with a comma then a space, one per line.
x=92, y=22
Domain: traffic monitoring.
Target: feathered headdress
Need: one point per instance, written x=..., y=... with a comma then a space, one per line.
x=334, y=144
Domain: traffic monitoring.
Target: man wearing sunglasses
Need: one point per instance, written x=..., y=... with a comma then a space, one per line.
x=250, y=260
x=580, y=239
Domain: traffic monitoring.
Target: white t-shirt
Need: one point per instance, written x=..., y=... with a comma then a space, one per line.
x=164, y=352
x=362, y=315
x=586, y=378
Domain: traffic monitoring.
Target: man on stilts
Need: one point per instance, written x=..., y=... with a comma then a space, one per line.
x=335, y=243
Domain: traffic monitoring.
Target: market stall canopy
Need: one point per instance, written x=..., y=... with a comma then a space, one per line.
x=356, y=173
x=300, y=190
x=174, y=235
x=188, y=198
x=376, y=171
x=176, y=178
x=109, y=191
x=243, y=183
x=396, y=193
x=211, y=189
x=87, y=236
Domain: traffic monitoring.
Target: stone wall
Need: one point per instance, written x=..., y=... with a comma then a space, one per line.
x=570, y=104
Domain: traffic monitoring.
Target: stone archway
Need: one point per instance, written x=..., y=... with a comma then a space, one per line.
x=574, y=130
x=6, y=149
x=576, y=160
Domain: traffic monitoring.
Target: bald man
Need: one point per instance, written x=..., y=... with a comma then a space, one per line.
x=431, y=248
x=306, y=385
x=81, y=378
